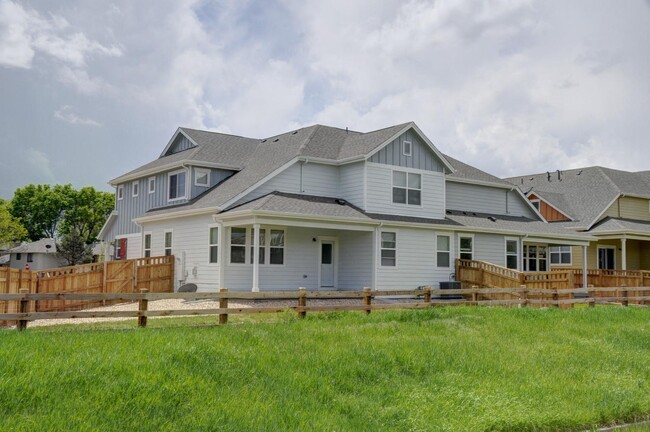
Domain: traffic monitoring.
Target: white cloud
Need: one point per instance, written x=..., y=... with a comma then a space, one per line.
x=66, y=114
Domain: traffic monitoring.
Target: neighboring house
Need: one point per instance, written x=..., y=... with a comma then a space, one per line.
x=39, y=255
x=611, y=205
x=323, y=208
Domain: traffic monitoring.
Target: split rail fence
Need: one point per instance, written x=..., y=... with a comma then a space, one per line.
x=420, y=299
x=156, y=274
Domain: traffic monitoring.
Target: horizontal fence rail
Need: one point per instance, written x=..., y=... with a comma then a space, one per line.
x=522, y=296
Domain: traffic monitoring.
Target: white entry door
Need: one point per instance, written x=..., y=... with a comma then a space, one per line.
x=327, y=264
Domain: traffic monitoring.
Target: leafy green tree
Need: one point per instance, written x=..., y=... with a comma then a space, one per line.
x=74, y=249
x=87, y=213
x=40, y=208
x=11, y=230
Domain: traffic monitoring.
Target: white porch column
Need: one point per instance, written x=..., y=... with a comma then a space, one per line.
x=256, y=257
x=584, y=267
x=624, y=254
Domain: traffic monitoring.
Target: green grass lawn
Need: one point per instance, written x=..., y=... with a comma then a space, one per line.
x=438, y=369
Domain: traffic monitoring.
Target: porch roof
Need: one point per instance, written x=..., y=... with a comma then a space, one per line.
x=611, y=225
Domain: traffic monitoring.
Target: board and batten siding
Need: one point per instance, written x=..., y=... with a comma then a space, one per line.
x=351, y=183
x=379, y=190
x=191, y=236
x=485, y=199
x=216, y=176
x=422, y=157
x=131, y=207
x=180, y=144
x=301, y=262
x=416, y=260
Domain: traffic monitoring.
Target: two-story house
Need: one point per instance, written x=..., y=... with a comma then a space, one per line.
x=611, y=205
x=322, y=208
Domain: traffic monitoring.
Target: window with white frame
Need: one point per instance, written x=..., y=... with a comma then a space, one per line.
x=152, y=185
x=407, y=188
x=466, y=247
x=407, y=148
x=120, y=192
x=535, y=257
x=168, y=243
x=443, y=251
x=276, y=247
x=147, y=245
x=560, y=255
x=213, y=245
x=261, y=244
x=176, y=185
x=201, y=177
x=238, y=245
x=135, y=189
x=388, y=249
x=512, y=254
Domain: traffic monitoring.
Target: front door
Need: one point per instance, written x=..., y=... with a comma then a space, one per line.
x=327, y=264
x=606, y=260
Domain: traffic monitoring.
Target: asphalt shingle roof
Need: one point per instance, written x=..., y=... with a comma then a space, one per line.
x=468, y=172
x=39, y=246
x=584, y=193
x=610, y=224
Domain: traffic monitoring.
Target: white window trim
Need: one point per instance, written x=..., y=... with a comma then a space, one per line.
x=144, y=243
x=120, y=192
x=550, y=254
x=169, y=176
x=396, y=266
x=605, y=247
x=537, y=258
x=410, y=145
x=218, y=244
x=461, y=236
x=267, y=246
x=392, y=185
x=151, y=181
x=135, y=189
x=450, y=236
x=196, y=176
x=171, y=248
x=505, y=249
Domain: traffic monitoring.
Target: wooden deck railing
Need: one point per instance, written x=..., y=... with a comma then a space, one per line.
x=523, y=297
x=485, y=274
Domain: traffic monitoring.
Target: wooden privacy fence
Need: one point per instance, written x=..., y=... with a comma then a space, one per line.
x=125, y=276
x=420, y=299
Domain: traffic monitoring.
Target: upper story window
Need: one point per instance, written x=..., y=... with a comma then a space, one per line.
x=407, y=148
x=407, y=188
x=202, y=177
x=152, y=184
x=136, y=188
x=120, y=192
x=177, y=185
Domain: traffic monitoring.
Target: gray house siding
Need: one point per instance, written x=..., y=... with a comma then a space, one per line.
x=285, y=181
x=485, y=199
x=40, y=261
x=379, y=190
x=216, y=176
x=421, y=155
x=355, y=260
x=352, y=183
x=181, y=143
x=320, y=180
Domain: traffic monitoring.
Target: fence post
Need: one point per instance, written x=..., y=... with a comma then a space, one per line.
x=367, y=298
x=223, y=304
x=592, y=297
x=302, y=302
x=556, y=299
x=427, y=295
x=23, y=307
x=142, y=307
x=475, y=294
x=624, y=302
x=524, y=296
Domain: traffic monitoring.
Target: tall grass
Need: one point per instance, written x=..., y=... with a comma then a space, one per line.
x=442, y=369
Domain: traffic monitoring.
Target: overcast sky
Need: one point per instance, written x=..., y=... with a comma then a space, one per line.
x=92, y=89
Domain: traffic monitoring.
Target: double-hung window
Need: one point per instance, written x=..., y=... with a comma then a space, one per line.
x=512, y=254
x=407, y=188
x=443, y=251
x=213, y=245
x=276, y=247
x=388, y=249
x=238, y=245
x=271, y=246
x=560, y=255
x=152, y=184
x=168, y=243
x=120, y=192
x=177, y=185
x=136, y=188
x=466, y=248
x=147, y=245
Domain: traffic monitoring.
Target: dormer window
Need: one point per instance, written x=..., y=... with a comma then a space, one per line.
x=407, y=148
x=136, y=189
x=120, y=192
x=176, y=185
x=535, y=204
x=202, y=177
